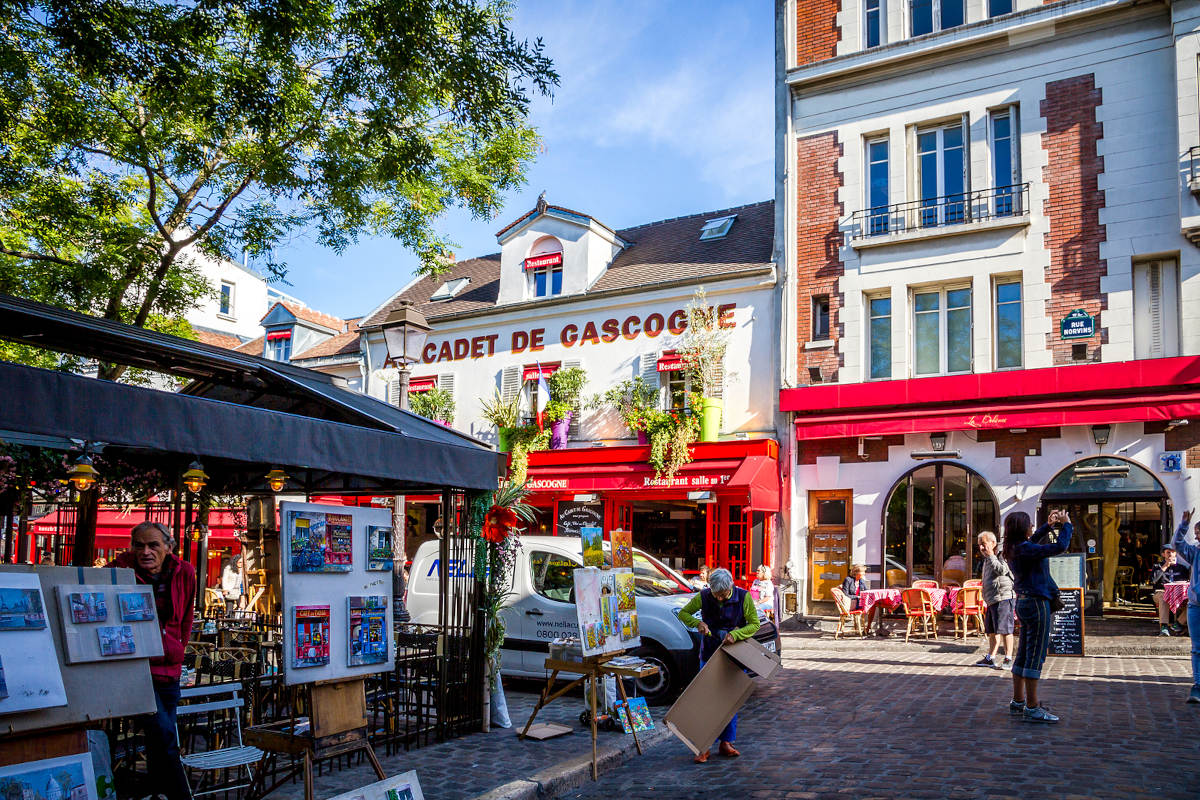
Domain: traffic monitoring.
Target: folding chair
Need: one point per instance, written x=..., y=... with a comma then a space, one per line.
x=237, y=756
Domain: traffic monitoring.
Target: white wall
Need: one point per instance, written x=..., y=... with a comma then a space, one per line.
x=249, y=298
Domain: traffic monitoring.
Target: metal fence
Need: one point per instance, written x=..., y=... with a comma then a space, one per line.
x=931, y=213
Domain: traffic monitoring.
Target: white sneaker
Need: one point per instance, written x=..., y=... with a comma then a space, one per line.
x=1038, y=714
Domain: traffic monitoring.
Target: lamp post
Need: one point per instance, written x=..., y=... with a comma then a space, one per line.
x=404, y=332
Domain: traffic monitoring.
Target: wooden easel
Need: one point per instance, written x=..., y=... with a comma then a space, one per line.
x=591, y=669
x=337, y=726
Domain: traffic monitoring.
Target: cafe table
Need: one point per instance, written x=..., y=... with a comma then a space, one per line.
x=1175, y=595
x=890, y=599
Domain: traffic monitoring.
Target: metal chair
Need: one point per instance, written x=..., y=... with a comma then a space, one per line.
x=918, y=610
x=845, y=613
x=237, y=756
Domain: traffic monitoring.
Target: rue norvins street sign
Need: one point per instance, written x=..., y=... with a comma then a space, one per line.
x=1078, y=325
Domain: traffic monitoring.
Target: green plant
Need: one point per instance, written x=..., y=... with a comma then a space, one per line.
x=703, y=345
x=556, y=410
x=436, y=404
x=634, y=400
x=566, y=385
x=525, y=439
x=502, y=412
x=671, y=434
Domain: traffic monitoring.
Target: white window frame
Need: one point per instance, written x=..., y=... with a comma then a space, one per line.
x=937, y=17
x=232, y=299
x=668, y=380
x=939, y=129
x=941, y=312
x=549, y=273
x=876, y=224
x=881, y=11
x=1007, y=280
x=813, y=318
x=275, y=345
x=1156, y=309
x=891, y=350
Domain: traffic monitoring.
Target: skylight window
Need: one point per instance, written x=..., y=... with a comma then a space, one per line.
x=717, y=228
x=450, y=289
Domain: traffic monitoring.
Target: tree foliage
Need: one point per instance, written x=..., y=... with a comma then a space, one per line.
x=136, y=134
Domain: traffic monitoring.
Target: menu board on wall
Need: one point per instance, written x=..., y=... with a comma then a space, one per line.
x=574, y=517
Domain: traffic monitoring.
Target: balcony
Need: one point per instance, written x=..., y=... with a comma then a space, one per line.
x=1193, y=159
x=967, y=212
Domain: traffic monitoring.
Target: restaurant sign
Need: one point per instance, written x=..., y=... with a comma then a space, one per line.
x=547, y=260
x=637, y=480
x=1078, y=325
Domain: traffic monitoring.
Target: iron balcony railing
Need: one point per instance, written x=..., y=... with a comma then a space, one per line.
x=930, y=213
x=1194, y=165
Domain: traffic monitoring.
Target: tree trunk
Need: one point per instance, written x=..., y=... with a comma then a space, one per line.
x=83, y=552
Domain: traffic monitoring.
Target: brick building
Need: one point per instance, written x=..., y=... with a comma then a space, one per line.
x=985, y=209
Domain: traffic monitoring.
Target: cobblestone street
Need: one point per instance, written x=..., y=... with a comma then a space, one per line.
x=883, y=719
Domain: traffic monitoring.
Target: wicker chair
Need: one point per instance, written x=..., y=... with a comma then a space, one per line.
x=969, y=607
x=845, y=613
x=925, y=584
x=919, y=611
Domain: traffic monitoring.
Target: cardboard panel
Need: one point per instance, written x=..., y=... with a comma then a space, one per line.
x=29, y=670
x=127, y=687
x=108, y=617
x=324, y=579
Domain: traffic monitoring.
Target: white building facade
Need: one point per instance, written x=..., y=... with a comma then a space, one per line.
x=986, y=212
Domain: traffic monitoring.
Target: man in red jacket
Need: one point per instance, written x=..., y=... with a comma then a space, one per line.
x=174, y=584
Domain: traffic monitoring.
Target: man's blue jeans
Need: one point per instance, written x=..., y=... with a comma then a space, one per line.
x=162, y=745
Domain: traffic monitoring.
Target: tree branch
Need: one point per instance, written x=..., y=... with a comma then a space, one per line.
x=31, y=256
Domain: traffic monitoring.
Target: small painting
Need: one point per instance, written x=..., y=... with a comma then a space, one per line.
x=626, y=592
x=136, y=606
x=306, y=541
x=379, y=549
x=593, y=546
x=635, y=715
x=116, y=640
x=340, y=530
x=608, y=604
x=311, y=637
x=402, y=792
x=633, y=625
x=87, y=607
x=66, y=778
x=622, y=547
x=367, y=622
x=21, y=609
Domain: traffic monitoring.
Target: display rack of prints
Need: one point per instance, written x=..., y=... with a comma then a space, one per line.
x=311, y=636
x=593, y=546
x=604, y=627
x=87, y=607
x=63, y=778
x=367, y=629
x=82, y=606
x=31, y=674
x=621, y=542
x=379, y=549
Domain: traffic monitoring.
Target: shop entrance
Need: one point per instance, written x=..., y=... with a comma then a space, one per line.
x=672, y=531
x=1122, y=517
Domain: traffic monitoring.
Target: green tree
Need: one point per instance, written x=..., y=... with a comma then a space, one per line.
x=134, y=133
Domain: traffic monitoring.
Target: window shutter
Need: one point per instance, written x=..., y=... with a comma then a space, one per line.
x=393, y=392
x=649, y=366
x=577, y=417
x=445, y=382
x=1154, y=274
x=510, y=382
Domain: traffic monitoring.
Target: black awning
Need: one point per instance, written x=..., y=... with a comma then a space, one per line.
x=59, y=404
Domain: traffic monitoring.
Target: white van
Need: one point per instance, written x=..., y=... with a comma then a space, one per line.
x=542, y=608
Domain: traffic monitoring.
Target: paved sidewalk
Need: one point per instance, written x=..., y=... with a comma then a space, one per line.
x=866, y=719
x=473, y=765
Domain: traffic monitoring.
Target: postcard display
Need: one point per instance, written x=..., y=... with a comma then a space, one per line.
x=337, y=591
x=106, y=623
x=30, y=677
x=606, y=605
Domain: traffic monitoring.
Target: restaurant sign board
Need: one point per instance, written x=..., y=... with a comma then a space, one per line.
x=1078, y=325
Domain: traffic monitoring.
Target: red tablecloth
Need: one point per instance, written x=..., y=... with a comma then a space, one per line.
x=1175, y=594
x=952, y=593
x=888, y=598
x=940, y=598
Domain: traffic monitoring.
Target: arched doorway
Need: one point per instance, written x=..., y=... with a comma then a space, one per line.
x=1122, y=516
x=930, y=521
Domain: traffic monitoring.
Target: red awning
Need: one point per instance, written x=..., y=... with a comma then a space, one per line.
x=531, y=371
x=113, y=526
x=670, y=361
x=1133, y=391
x=426, y=384
x=759, y=476
x=273, y=335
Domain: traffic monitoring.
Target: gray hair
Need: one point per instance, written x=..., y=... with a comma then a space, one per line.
x=986, y=536
x=719, y=580
x=150, y=525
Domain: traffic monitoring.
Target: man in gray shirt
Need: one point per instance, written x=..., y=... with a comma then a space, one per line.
x=1001, y=600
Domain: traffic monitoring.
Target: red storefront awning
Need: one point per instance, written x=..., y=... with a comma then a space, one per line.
x=743, y=471
x=113, y=527
x=532, y=371
x=1130, y=391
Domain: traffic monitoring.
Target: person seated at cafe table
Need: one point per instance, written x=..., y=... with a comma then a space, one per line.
x=853, y=586
x=727, y=615
x=1168, y=570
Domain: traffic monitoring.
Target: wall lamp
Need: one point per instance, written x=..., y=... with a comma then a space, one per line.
x=1100, y=434
x=276, y=479
x=701, y=497
x=938, y=441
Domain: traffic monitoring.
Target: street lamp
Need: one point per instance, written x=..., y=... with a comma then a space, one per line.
x=195, y=478
x=404, y=332
x=276, y=479
x=937, y=441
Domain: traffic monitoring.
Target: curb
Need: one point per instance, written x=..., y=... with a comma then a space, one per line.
x=566, y=775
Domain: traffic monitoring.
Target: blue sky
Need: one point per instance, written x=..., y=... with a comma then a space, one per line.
x=664, y=109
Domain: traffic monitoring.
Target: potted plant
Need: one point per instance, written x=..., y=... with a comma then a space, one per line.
x=703, y=347
x=505, y=414
x=524, y=440
x=634, y=400
x=436, y=404
x=566, y=387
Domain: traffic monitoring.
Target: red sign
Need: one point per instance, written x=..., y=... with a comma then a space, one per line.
x=670, y=361
x=531, y=373
x=416, y=385
x=278, y=335
x=547, y=260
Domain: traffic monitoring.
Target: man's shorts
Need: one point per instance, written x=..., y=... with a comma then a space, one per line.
x=998, y=618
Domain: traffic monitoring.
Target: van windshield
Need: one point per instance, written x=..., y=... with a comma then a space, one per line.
x=651, y=579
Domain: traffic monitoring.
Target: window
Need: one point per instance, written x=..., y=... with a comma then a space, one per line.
x=678, y=383
x=1005, y=172
x=1008, y=325
x=873, y=22
x=279, y=348
x=942, y=331
x=717, y=228
x=998, y=8
x=225, y=308
x=820, y=317
x=879, y=335
x=941, y=175
x=450, y=288
x=547, y=281
x=553, y=575
x=936, y=15
x=1156, y=309
x=877, y=186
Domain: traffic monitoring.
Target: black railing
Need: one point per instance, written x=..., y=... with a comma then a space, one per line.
x=931, y=213
x=1193, y=165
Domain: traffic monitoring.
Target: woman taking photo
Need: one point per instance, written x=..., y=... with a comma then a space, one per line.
x=1035, y=589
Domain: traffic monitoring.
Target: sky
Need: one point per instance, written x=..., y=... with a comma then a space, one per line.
x=664, y=109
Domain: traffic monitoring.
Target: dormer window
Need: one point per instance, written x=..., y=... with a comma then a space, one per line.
x=450, y=289
x=279, y=345
x=544, y=266
x=717, y=228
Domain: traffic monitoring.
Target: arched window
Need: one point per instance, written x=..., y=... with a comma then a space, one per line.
x=931, y=518
x=1103, y=475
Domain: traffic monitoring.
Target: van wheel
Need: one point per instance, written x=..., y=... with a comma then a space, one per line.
x=660, y=688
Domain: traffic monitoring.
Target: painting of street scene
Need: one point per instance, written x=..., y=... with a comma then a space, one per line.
x=136, y=606
x=116, y=640
x=87, y=607
x=21, y=609
x=68, y=778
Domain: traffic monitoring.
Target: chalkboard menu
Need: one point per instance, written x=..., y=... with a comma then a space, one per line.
x=572, y=516
x=1066, y=629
